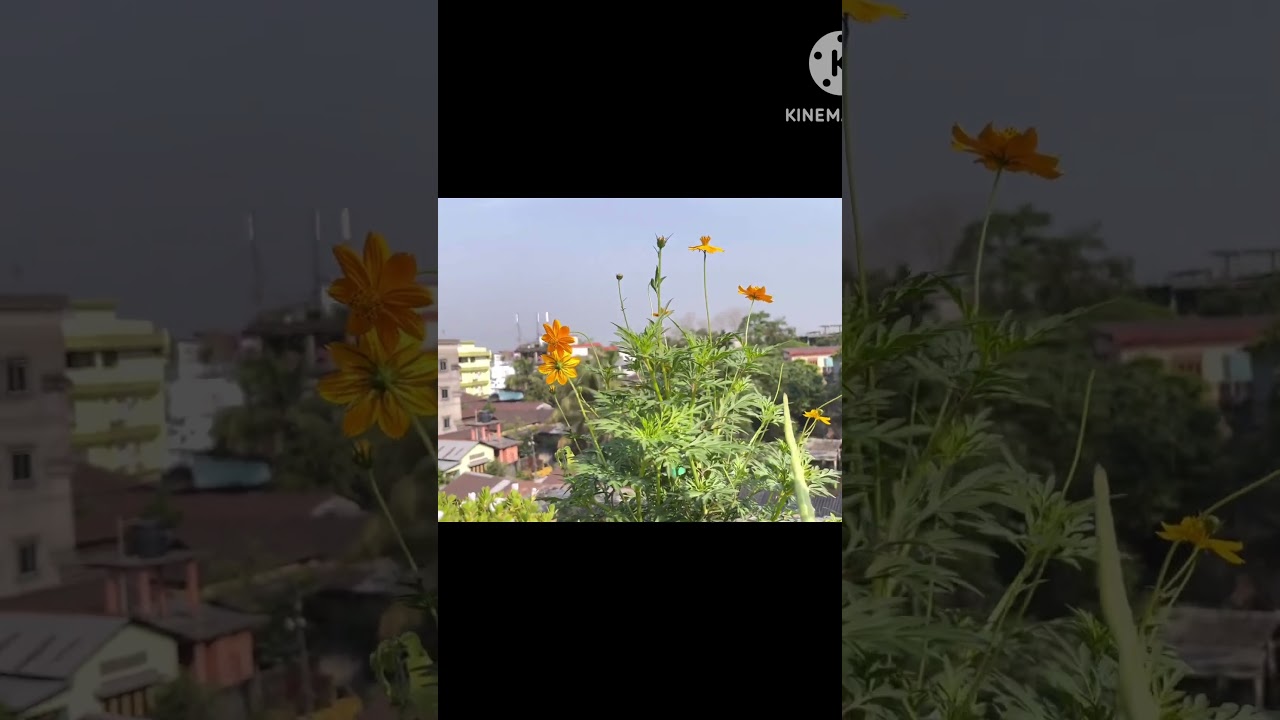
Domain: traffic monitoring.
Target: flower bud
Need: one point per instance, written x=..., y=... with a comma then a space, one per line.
x=662, y=242
x=619, y=276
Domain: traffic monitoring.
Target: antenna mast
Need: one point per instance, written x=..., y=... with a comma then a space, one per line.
x=317, y=282
x=255, y=266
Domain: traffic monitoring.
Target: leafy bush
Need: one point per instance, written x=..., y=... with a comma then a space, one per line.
x=932, y=490
x=491, y=507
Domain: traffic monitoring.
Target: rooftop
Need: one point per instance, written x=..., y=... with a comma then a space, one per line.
x=1185, y=331
x=40, y=652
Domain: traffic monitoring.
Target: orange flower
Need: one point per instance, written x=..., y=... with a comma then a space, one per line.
x=379, y=387
x=662, y=312
x=1197, y=532
x=1007, y=149
x=865, y=11
x=559, y=367
x=705, y=246
x=751, y=292
x=818, y=416
x=381, y=291
x=558, y=338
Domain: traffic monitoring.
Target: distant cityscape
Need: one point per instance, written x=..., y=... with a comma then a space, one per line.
x=142, y=566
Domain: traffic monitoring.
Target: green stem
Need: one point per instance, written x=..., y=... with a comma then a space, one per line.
x=847, y=126
x=1242, y=491
x=797, y=465
x=622, y=304
x=706, y=297
x=391, y=522
x=426, y=438
x=746, y=331
x=982, y=243
x=582, y=404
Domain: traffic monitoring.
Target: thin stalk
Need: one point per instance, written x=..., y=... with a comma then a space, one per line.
x=582, y=404
x=982, y=243
x=706, y=297
x=391, y=522
x=622, y=304
x=847, y=126
x=426, y=438
x=797, y=465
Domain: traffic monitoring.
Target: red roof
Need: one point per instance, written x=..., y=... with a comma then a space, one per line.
x=469, y=482
x=1187, y=331
x=267, y=529
x=811, y=351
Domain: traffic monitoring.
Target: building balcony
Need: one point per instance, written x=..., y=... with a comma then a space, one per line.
x=155, y=341
x=104, y=391
x=119, y=434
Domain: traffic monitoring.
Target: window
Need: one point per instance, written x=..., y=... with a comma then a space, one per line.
x=16, y=375
x=446, y=422
x=28, y=551
x=110, y=358
x=79, y=360
x=21, y=469
x=131, y=704
x=444, y=393
x=444, y=364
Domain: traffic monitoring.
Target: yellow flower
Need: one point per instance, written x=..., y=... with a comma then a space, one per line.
x=817, y=415
x=705, y=246
x=865, y=11
x=362, y=454
x=1195, y=530
x=1007, y=149
x=379, y=387
x=557, y=337
x=755, y=293
x=559, y=367
x=381, y=291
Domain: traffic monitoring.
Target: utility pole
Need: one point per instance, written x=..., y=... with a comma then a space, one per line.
x=298, y=624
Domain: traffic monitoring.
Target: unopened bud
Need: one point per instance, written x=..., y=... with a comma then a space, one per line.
x=619, y=276
x=662, y=241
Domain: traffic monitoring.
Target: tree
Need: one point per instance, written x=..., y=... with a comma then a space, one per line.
x=803, y=385
x=182, y=699
x=528, y=380
x=1028, y=271
x=766, y=330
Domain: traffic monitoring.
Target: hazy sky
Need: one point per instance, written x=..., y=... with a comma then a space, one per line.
x=1166, y=116
x=503, y=256
x=135, y=136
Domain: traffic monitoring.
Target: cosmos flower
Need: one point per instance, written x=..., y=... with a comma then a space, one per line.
x=386, y=389
x=751, y=292
x=1196, y=531
x=557, y=337
x=818, y=416
x=1007, y=150
x=704, y=246
x=559, y=367
x=381, y=291
x=865, y=11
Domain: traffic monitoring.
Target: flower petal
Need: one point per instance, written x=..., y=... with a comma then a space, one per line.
x=391, y=417
x=359, y=416
x=399, y=270
x=376, y=254
x=342, y=388
x=349, y=357
x=351, y=266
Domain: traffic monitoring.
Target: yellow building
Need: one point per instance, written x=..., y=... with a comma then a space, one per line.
x=475, y=362
x=117, y=373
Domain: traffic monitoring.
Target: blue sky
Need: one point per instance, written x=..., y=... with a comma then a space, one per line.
x=503, y=256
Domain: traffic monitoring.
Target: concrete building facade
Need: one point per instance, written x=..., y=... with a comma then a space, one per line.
x=37, y=531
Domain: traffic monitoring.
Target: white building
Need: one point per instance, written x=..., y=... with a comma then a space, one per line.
x=197, y=391
x=499, y=371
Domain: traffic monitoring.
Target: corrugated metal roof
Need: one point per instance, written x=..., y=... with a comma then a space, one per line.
x=52, y=646
x=18, y=694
